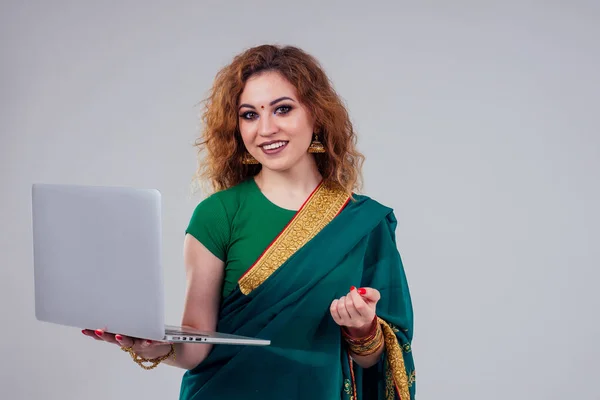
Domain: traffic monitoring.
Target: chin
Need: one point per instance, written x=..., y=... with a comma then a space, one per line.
x=277, y=165
x=285, y=162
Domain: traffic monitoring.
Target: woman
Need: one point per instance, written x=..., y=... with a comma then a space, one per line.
x=284, y=250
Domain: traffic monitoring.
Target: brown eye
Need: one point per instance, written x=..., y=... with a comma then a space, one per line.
x=248, y=115
x=283, y=110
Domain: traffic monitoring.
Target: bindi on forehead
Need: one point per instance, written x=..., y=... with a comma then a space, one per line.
x=272, y=103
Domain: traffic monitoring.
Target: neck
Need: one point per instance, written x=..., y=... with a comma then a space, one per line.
x=290, y=188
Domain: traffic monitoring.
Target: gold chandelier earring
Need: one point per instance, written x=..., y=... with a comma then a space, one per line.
x=316, y=146
x=248, y=159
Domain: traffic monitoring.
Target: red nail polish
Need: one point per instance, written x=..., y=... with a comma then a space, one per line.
x=83, y=331
x=99, y=332
x=119, y=337
x=352, y=288
x=148, y=341
x=362, y=291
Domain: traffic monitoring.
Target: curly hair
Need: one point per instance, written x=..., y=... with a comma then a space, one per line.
x=221, y=141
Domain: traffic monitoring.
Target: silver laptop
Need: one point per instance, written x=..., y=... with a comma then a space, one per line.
x=97, y=263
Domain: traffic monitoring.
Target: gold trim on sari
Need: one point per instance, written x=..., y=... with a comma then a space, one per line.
x=396, y=367
x=324, y=204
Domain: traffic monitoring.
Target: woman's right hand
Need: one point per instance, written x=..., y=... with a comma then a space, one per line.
x=142, y=347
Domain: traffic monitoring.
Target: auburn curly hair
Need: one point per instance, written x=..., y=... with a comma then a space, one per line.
x=220, y=147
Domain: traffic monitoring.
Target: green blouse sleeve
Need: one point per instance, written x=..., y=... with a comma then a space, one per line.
x=210, y=226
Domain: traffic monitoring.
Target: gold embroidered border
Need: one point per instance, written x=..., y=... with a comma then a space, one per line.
x=320, y=209
x=395, y=359
x=353, y=394
x=412, y=379
x=390, y=388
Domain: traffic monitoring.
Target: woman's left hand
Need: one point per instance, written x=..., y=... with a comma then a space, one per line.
x=356, y=310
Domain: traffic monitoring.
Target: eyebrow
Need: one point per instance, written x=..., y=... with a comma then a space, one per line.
x=271, y=103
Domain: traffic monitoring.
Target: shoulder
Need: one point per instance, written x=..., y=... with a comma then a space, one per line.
x=227, y=200
x=366, y=204
x=365, y=201
x=212, y=219
x=219, y=209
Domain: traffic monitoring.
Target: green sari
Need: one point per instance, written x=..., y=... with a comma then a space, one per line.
x=331, y=244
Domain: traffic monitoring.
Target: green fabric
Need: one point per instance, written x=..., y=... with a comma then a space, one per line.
x=236, y=225
x=307, y=358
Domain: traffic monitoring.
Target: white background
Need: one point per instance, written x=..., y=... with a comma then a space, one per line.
x=480, y=123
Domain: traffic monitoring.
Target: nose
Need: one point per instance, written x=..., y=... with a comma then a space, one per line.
x=266, y=125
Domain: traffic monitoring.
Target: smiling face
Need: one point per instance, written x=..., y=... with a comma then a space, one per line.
x=275, y=127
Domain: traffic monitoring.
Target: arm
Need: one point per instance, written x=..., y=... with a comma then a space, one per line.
x=355, y=313
x=365, y=361
x=204, y=275
x=369, y=361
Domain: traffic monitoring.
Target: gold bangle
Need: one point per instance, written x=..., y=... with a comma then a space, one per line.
x=368, y=345
x=154, y=361
x=361, y=340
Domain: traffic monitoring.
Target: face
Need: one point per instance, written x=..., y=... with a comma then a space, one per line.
x=276, y=129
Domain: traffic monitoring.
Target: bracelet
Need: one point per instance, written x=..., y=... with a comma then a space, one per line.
x=368, y=344
x=154, y=361
x=369, y=347
x=370, y=335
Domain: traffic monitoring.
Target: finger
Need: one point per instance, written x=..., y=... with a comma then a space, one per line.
x=137, y=344
x=341, y=307
x=144, y=343
x=106, y=336
x=124, y=341
x=360, y=306
x=369, y=294
x=90, y=333
x=354, y=315
x=334, y=312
